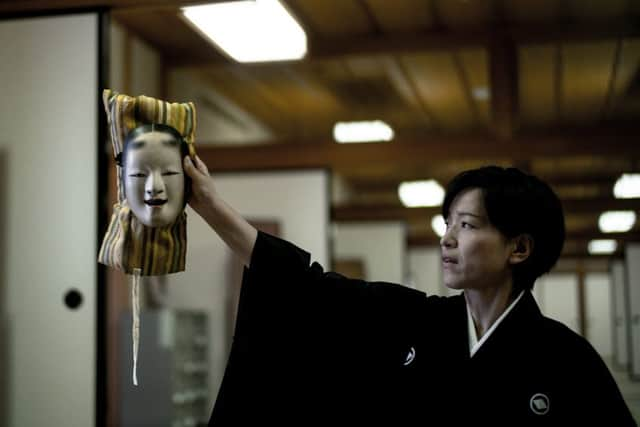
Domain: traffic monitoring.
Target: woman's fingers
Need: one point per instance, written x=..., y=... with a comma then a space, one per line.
x=201, y=166
x=189, y=167
x=195, y=168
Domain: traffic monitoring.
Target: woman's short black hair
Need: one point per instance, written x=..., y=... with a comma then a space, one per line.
x=518, y=203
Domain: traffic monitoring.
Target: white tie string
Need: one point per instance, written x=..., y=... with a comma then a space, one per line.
x=135, y=331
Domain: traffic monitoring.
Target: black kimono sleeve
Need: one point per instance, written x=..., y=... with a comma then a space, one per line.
x=597, y=398
x=306, y=341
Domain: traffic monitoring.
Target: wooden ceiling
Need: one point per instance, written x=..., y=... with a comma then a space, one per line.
x=550, y=86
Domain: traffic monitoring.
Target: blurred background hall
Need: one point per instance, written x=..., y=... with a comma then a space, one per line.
x=338, y=133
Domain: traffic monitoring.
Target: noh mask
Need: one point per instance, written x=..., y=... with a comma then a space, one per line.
x=150, y=138
x=147, y=235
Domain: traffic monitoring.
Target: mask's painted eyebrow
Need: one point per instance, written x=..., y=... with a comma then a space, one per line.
x=171, y=142
x=139, y=143
x=136, y=144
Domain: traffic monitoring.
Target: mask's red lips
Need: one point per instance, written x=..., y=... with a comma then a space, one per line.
x=449, y=260
x=155, y=202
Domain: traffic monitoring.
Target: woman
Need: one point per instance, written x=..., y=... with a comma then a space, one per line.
x=317, y=348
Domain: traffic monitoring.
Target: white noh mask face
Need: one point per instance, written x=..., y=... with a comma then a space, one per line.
x=154, y=178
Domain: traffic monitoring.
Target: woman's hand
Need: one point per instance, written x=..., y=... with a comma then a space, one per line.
x=203, y=192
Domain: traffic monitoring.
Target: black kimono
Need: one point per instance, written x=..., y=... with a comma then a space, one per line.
x=314, y=348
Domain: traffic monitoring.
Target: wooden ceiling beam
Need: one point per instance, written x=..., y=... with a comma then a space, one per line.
x=390, y=183
x=367, y=45
x=415, y=152
x=572, y=240
x=600, y=205
x=594, y=178
x=608, y=106
x=569, y=261
x=466, y=88
x=585, y=237
x=396, y=44
x=447, y=40
x=503, y=75
x=408, y=43
x=380, y=212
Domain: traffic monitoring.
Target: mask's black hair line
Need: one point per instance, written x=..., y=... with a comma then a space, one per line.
x=153, y=127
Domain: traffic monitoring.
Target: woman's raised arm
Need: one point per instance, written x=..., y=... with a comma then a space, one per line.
x=232, y=228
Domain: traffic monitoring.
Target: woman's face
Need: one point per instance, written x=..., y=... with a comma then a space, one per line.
x=475, y=255
x=154, y=179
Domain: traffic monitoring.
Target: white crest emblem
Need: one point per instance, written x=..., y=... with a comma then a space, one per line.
x=410, y=356
x=539, y=404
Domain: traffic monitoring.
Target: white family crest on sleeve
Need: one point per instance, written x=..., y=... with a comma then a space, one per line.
x=411, y=354
x=539, y=404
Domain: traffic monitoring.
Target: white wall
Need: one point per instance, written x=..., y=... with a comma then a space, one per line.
x=381, y=245
x=557, y=296
x=48, y=75
x=145, y=69
x=116, y=56
x=144, y=62
x=425, y=270
x=620, y=313
x=598, y=312
x=297, y=200
x=633, y=281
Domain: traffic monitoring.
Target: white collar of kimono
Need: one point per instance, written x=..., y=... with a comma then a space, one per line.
x=474, y=344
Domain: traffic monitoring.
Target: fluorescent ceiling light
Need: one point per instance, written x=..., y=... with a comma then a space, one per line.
x=421, y=193
x=627, y=186
x=371, y=131
x=616, y=221
x=604, y=246
x=438, y=225
x=250, y=31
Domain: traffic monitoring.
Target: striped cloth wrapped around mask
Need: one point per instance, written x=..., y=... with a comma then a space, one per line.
x=128, y=244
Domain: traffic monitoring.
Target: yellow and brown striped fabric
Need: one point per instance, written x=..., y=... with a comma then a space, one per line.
x=128, y=244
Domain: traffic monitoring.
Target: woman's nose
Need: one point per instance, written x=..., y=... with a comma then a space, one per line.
x=447, y=240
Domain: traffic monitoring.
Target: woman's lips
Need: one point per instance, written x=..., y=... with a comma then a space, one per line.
x=448, y=262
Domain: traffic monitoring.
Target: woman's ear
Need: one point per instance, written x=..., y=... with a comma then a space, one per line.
x=522, y=248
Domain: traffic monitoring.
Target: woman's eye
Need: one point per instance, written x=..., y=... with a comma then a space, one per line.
x=467, y=225
x=170, y=173
x=137, y=175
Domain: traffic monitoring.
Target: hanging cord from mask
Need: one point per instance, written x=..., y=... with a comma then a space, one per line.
x=135, y=328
